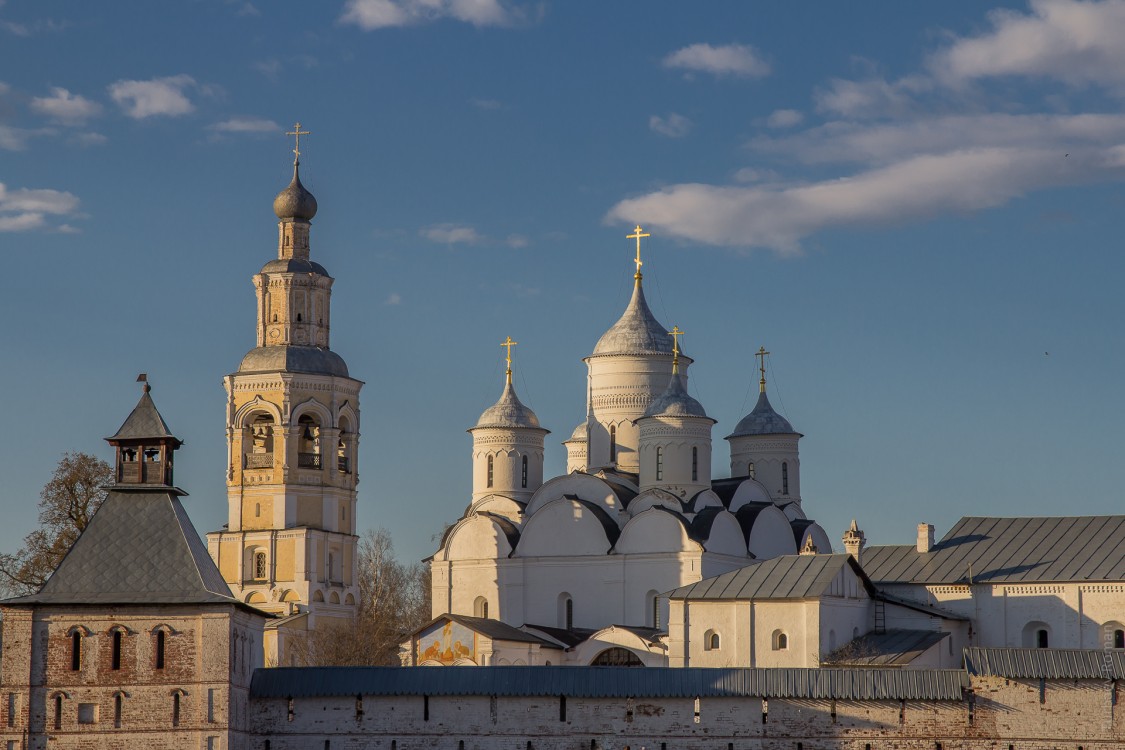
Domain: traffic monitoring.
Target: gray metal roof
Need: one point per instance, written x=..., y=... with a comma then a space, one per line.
x=784, y=577
x=508, y=413
x=295, y=202
x=144, y=421
x=675, y=401
x=294, y=265
x=1046, y=663
x=139, y=548
x=892, y=648
x=309, y=359
x=1037, y=548
x=492, y=628
x=637, y=331
x=594, y=682
x=763, y=420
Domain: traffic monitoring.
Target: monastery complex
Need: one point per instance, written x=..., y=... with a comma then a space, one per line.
x=635, y=601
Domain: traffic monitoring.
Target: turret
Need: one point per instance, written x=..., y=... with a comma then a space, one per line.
x=507, y=445
x=144, y=446
x=763, y=446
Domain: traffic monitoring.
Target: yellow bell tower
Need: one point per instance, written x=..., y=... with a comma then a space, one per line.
x=289, y=545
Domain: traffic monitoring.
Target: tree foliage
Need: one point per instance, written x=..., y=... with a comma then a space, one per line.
x=394, y=601
x=66, y=504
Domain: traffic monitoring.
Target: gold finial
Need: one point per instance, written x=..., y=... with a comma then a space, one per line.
x=675, y=333
x=761, y=354
x=298, y=133
x=508, y=343
x=637, y=234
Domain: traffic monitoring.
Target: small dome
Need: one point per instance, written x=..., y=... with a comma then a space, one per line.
x=293, y=265
x=294, y=202
x=579, y=434
x=675, y=402
x=637, y=332
x=763, y=421
x=311, y=359
x=508, y=412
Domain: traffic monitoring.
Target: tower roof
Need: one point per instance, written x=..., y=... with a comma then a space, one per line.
x=314, y=360
x=763, y=421
x=637, y=331
x=509, y=412
x=144, y=422
x=295, y=202
x=675, y=402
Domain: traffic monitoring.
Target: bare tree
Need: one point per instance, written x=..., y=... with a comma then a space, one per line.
x=394, y=600
x=66, y=504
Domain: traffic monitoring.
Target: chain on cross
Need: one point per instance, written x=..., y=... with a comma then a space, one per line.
x=637, y=234
x=297, y=132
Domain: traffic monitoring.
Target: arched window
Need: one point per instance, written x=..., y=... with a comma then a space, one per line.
x=115, y=656
x=659, y=464
x=260, y=565
x=695, y=464
x=784, y=477
x=160, y=640
x=1119, y=639
x=569, y=614
x=566, y=611
x=711, y=641
x=1036, y=634
x=523, y=479
x=490, y=471
x=58, y=710
x=176, y=708
x=780, y=640
x=750, y=469
x=613, y=442
x=480, y=607
x=1041, y=638
x=117, y=706
x=75, y=650
x=653, y=598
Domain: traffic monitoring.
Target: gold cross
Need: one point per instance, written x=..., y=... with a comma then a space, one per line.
x=761, y=354
x=298, y=133
x=675, y=333
x=508, y=343
x=637, y=234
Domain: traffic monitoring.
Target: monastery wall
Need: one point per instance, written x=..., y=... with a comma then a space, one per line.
x=995, y=714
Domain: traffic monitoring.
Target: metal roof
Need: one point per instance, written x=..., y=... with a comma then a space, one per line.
x=1038, y=548
x=784, y=577
x=144, y=422
x=139, y=548
x=606, y=682
x=763, y=420
x=311, y=359
x=892, y=648
x=1046, y=663
x=494, y=629
x=637, y=331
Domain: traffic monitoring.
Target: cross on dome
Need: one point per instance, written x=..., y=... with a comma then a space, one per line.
x=297, y=132
x=508, y=344
x=675, y=333
x=637, y=234
x=761, y=354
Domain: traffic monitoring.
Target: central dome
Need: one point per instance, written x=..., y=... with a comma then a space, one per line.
x=637, y=332
x=294, y=202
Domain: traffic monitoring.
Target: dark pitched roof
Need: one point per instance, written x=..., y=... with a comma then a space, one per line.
x=143, y=422
x=494, y=629
x=568, y=638
x=785, y=577
x=892, y=648
x=139, y=548
x=1038, y=548
x=1046, y=663
x=649, y=682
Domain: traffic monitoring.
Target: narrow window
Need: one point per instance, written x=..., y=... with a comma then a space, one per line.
x=655, y=612
x=695, y=464
x=75, y=651
x=425, y=708
x=116, y=658
x=613, y=442
x=659, y=464
x=784, y=477
x=714, y=642
x=484, y=610
x=569, y=614
x=117, y=711
x=58, y=712
x=160, y=649
x=13, y=708
x=490, y=471
x=257, y=510
x=697, y=710
x=523, y=479
x=260, y=565
x=562, y=708
x=298, y=317
x=750, y=470
x=1041, y=638
x=1119, y=639
x=175, y=709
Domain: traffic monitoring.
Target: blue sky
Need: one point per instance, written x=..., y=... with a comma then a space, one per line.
x=915, y=207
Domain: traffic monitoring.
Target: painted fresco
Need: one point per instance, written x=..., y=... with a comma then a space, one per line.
x=447, y=642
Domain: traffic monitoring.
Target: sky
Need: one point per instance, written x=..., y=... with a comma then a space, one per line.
x=915, y=207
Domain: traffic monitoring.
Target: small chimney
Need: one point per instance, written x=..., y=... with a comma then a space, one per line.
x=854, y=541
x=925, y=537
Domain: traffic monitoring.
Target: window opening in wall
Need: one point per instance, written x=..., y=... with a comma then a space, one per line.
x=1119, y=639
x=1041, y=638
x=257, y=510
x=328, y=745
x=659, y=464
x=613, y=442
x=780, y=641
x=562, y=708
x=115, y=658
x=75, y=651
x=117, y=711
x=656, y=612
x=160, y=649
x=176, y=709
x=298, y=317
x=694, y=464
x=58, y=712
x=784, y=478
x=750, y=470
x=14, y=707
x=696, y=719
x=713, y=642
x=289, y=708
x=523, y=476
x=490, y=471
x=833, y=711
x=425, y=708
x=765, y=710
x=266, y=746
x=260, y=565
x=569, y=614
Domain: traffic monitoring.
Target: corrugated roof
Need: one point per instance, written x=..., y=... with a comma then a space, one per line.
x=592, y=682
x=892, y=648
x=139, y=548
x=1038, y=548
x=1046, y=663
x=785, y=577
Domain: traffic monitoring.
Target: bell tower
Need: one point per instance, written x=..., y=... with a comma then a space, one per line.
x=289, y=545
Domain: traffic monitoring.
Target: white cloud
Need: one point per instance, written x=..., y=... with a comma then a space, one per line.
x=380, y=14
x=15, y=139
x=730, y=59
x=394, y=299
x=154, y=97
x=450, y=234
x=65, y=107
x=871, y=97
x=784, y=118
x=87, y=139
x=517, y=241
x=245, y=125
x=780, y=216
x=1074, y=41
x=23, y=210
x=673, y=126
